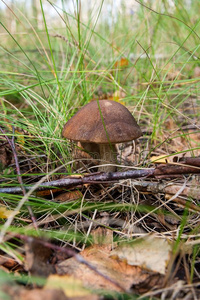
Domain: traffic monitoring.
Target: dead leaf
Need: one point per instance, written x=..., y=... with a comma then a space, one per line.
x=69, y=196
x=117, y=96
x=122, y=62
x=16, y=292
x=5, y=213
x=8, y=262
x=71, y=286
x=39, y=294
x=103, y=236
x=118, y=271
x=150, y=253
x=161, y=159
x=5, y=153
x=46, y=193
x=193, y=141
x=38, y=258
x=153, y=281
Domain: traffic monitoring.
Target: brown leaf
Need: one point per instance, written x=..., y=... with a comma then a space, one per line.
x=69, y=196
x=37, y=294
x=122, y=62
x=19, y=293
x=8, y=262
x=37, y=259
x=118, y=271
x=46, y=193
x=5, y=153
x=152, y=281
x=102, y=236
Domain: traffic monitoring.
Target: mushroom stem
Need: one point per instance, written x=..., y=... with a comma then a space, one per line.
x=91, y=148
x=107, y=155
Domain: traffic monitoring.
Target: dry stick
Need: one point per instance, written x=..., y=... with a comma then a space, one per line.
x=70, y=252
x=87, y=179
x=11, y=142
x=170, y=189
x=9, y=220
x=185, y=203
x=187, y=166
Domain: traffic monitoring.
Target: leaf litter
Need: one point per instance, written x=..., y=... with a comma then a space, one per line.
x=134, y=265
x=131, y=266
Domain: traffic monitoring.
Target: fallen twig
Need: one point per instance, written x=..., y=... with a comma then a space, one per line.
x=167, y=188
x=11, y=142
x=185, y=203
x=87, y=179
x=187, y=166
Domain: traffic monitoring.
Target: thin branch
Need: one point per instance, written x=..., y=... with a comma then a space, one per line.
x=11, y=142
x=167, y=188
x=188, y=165
x=87, y=179
x=171, y=189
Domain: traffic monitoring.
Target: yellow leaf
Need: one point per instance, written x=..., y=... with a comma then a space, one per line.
x=5, y=213
x=117, y=96
x=71, y=286
x=20, y=138
x=161, y=159
x=122, y=62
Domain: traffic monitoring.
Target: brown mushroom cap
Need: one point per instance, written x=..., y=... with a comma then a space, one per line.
x=87, y=124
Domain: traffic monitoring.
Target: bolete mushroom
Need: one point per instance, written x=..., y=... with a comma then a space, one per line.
x=98, y=126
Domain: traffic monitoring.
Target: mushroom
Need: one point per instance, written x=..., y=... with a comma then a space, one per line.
x=98, y=126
